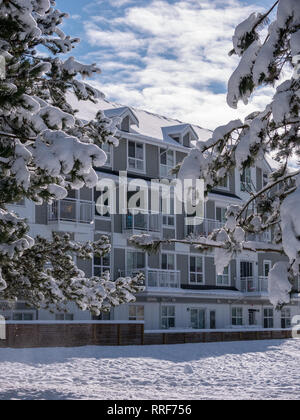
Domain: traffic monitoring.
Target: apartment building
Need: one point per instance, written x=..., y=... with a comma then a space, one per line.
x=182, y=290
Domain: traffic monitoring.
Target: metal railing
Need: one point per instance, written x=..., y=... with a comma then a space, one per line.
x=158, y=278
x=151, y=222
x=69, y=210
x=254, y=284
x=202, y=227
x=265, y=237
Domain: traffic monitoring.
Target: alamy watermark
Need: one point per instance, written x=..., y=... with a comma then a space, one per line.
x=162, y=197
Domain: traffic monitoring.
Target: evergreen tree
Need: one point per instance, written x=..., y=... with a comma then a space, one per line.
x=266, y=58
x=45, y=151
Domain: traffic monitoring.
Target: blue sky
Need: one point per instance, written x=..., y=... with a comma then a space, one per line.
x=165, y=56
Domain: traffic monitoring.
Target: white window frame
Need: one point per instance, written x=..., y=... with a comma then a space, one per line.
x=129, y=169
x=168, y=167
x=133, y=251
x=268, y=318
x=238, y=316
x=222, y=187
x=168, y=316
x=102, y=266
x=222, y=209
x=197, y=273
x=64, y=316
x=168, y=254
x=266, y=262
x=226, y=275
x=23, y=314
x=286, y=318
x=109, y=153
x=247, y=182
x=134, y=316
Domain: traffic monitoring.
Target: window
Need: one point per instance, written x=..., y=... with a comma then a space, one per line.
x=20, y=316
x=64, y=317
x=196, y=270
x=103, y=208
x=198, y=319
x=136, y=159
x=221, y=214
x=101, y=265
x=107, y=148
x=136, y=313
x=286, y=318
x=224, y=279
x=267, y=268
x=168, y=262
x=237, y=316
x=135, y=261
x=224, y=184
x=268, y=318
x=265, y=179
x=167, y=163
x=168, y=219
x=246, y=269
x=168, y=317
x=246, y=181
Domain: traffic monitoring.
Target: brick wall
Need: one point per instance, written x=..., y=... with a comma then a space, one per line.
x=72, y=335
x=32, y=335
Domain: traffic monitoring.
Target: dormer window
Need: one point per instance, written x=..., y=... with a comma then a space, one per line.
x=127, y=116
x=183, y=134
x=125, y=126
x=186, y=140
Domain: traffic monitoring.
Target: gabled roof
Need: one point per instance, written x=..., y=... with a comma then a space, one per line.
x=179, y=129
x=150, y=125
x=122, y=112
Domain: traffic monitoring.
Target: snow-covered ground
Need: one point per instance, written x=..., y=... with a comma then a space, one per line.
x=240, y=370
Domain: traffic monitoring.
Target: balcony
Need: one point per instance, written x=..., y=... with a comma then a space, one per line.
x=155, y=278
x=254, y=285
x=264, y=237
x=150, y=222
x=71, y=211
x=202, y=227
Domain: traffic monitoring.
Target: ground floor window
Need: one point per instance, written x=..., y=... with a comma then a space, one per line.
x=22, y=316
x=136, y=313
x=268, y=318
x=168, y=317
x=286, y=318
x=237, y=316
x=64, y=317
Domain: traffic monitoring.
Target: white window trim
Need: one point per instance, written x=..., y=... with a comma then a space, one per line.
x=109, y=268
x=111, y=164
x=168, y=253
x=237, y=317
x=203, y=272
x=264, y=263
x=167, y=317
x=139, y=171
x=220, y=187
x=168, y=176
x=229, y=278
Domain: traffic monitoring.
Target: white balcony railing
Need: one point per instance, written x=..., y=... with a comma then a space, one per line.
x=69, y=210
x=150, y=222
x=264, y=237
x=254, y=284
x=202, y=227
x=158, y=278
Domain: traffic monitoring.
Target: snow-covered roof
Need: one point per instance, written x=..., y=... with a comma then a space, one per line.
x=149, y=124
x=123, y=112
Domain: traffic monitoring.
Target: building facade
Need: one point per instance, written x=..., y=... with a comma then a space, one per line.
x=182, y=290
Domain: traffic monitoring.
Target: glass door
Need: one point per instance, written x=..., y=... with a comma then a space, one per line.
x=198, y=319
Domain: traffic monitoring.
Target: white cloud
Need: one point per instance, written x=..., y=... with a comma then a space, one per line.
x=180, y=56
